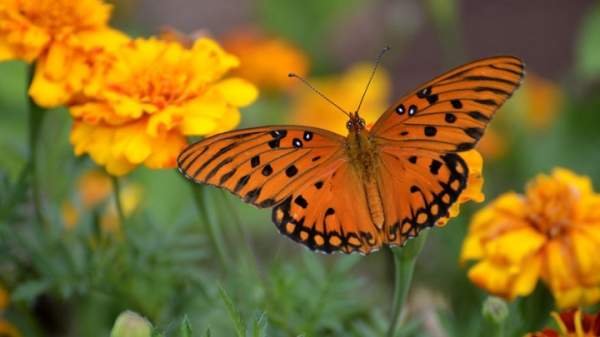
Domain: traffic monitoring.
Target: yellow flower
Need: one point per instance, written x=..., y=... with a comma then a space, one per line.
x=64, y=37
x=346, y=90
x=266, y=60
x=572, y=323
x=140, y=106
x=552, y=232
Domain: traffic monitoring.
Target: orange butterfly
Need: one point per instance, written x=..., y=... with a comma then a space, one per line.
x=372, y=187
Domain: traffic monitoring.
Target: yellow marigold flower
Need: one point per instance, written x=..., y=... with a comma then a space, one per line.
x=572, y=323
x=266, y=60
x=552, y=232
x=62, y=36
x=141, y=105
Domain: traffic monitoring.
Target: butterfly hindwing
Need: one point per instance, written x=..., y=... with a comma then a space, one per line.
x=330, y=214
x=418, y=189
x=260, y=165
x=451, y=112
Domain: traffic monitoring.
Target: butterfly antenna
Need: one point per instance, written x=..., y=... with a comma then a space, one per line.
x=319, y=93
x=372, y=75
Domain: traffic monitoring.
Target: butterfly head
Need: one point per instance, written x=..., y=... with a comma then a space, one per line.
x=355, y=123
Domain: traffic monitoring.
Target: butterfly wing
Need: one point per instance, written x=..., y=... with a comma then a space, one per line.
x=301, y=172
x=450, y=112
x=261, y=165
x=421, y=173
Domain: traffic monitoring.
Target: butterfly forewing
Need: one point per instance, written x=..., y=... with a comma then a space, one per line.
x=450, y=113
x=261, y=165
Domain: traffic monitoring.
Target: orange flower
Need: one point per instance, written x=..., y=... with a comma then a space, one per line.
x=543, y=101
x=140, y=106
x=63, y=36
x=552, y=232
x=265, y=60
x=572, y=323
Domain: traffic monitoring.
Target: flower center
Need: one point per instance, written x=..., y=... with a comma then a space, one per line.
x=552, y=207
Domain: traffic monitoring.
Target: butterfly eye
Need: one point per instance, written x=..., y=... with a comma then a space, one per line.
x=362, y=122
x=349, y=125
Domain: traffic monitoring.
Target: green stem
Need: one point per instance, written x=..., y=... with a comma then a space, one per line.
x=36, y=119
x=214, y=233
x=118, y=202
x=405, y=259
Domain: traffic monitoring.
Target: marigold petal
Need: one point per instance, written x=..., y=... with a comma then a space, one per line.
x=165, y=150
x=237, y=92
x=514, y=246
x=491, y=277
x=525, y=282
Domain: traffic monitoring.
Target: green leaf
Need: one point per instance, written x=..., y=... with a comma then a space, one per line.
x=185, y=330
x=259, y=327
x=588, y=49
x=235, y=316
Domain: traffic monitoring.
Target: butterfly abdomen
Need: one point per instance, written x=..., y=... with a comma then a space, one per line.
x=375, y=203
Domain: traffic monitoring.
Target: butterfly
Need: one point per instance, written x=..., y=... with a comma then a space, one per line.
x=374, y=187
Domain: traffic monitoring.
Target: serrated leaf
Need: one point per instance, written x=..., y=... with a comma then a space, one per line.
x=185, y=330
x=235, y=316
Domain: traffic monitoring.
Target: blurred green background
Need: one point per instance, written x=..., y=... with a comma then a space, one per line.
x=75, y=282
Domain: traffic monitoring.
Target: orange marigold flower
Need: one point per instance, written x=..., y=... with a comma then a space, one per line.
x=572, y=323
x=140, y=105
x=62, y=36
x=346, y=89
x=266, y=60
x=552, y=232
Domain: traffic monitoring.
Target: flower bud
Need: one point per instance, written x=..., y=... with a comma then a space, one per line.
x=131, y=324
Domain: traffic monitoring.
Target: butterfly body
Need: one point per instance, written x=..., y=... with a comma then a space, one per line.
x=374, y=187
